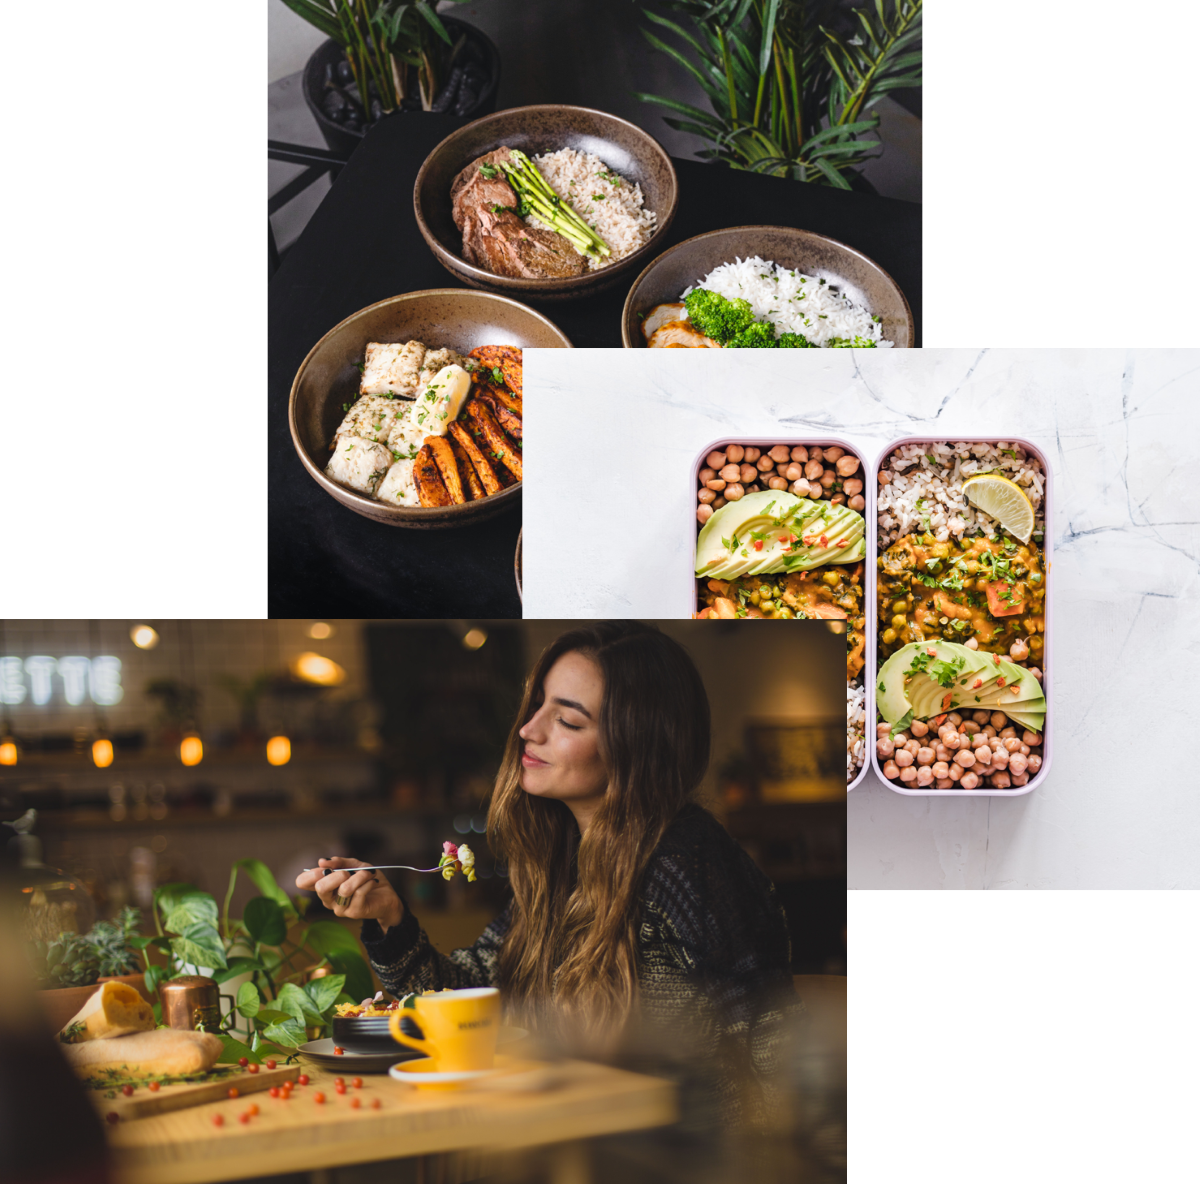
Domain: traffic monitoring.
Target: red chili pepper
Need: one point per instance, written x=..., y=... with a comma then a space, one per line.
x=946, y=698
x=1001, y=681
x=977, y=684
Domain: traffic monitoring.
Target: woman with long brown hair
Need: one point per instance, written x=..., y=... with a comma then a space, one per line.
x=631, y=908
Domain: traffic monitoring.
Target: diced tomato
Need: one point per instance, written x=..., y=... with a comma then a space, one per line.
x=947, y=698
x=977, y=684
x=998, y=606
x=758, y=545
x=824, y=541
x=1001, y=681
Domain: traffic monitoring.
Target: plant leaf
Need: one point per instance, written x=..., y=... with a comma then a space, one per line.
x=340, y=947
x=324, y=991
x=297, y=1004
x=189, y=908
x=427, y=12
x=269, y=1015
x=248, y=1002
x=768, y=36
x=236, y=966
x=290, y=1033
x=264, y=921
x=200, y=945
x=262, y=879
x=233, y=1049
x=153, y=976
x=140, y=943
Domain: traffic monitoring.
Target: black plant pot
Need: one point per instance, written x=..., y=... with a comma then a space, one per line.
x=344, y=140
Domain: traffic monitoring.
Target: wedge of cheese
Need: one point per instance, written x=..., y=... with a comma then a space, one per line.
x=113, y=1009
x=164, y=1052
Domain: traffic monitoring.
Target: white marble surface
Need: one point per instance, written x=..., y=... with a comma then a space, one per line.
x=608, y=512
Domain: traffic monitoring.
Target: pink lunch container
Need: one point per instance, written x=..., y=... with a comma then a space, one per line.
x=867, y=675
x=1047, y=650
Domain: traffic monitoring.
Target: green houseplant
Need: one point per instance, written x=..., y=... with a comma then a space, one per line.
x=791, y=95
x=276, y=1009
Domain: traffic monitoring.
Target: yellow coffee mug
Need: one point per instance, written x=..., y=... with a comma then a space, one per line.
x=460, y=1028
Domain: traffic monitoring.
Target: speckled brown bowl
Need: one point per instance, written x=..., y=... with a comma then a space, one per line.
x=626, y=149
x=862, y=279
x=441, y=317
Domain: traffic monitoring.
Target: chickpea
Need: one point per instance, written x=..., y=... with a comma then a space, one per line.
x=941, y=768
x=1018, y=763
x=1031, y=738
x=898, y=606
x=831, y=578
x=884, y=746
x=998, y=720
x=832, y=453
x=1008, y=733
x=913, y=746
x=885, y=478
x=989, y=732
x=953, y=741
x=979, y=740
x=764, y=464
x=715, y=460
x=847, y=465
x=703, y=514
x=857, y=502
x=853, y=485
x=956, y=772
x=970, y=643
x=716, y=483
x=981, y=717
x=943, y=783
x=813, y=469
x=942, y=753
x=706, y=495
x=891, y=770
x=883, y=729
x=778, y=483
x=719, y=503
x=780, y=452
x=814, y=490
x=1012, y=744
x=794, y=471
x=1018, y=651
x=799, y=453
x=919, y=728
x=735, y=452
x=899, y=621
x=730, y=473
x=966, y=758
x=903, y=757
x=969, y=726
x=969, y=781
x=1020, y=779
x=706, y=475
x=827, y=479
x=1033, y=762
x=751, y=455
x=901, y=738
x=838, y=499
x=1023, y=749
x=908, y=773
x=924, y=756
x=889, y=635
x=1001, y=780
x=924, y=775
x=955, y=718
x=800, y=488
x=815, y=454
x=734, y=492
x=1036, y=673
x=983, y=756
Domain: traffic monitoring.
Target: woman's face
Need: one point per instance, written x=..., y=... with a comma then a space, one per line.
x=561, y=755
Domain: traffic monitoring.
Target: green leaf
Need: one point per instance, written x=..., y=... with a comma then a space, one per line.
x=320, y=18
x=190, y=908
x=269, y=1015
x=153, y=976
x=248, y=1002
x=140, y=943
x=290, y=1033
x=262, y=879
x=297, y=1004
x=264, y=921
x=427, y=12
x=238, y=965
x=324, y=991
x=200, y=945
x=232, y=1050
x=768, y=36
x=345, y=956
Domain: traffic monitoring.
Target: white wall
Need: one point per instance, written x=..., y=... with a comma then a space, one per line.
x=290, y=41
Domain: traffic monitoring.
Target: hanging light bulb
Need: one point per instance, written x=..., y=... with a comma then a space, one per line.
x=191, y=750
x=143, y=636
x=102, y=752
x=314, y=668
x=279, y=750
x=474, y=638
x=8, y=751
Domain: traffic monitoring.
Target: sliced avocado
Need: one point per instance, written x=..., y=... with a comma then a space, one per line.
x=939, y=688
x=1001, y=695
x=1033, y=720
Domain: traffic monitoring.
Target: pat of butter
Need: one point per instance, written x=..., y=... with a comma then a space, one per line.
x=441, y=401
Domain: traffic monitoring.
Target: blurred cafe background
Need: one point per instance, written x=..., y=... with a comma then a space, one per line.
x=159, y=751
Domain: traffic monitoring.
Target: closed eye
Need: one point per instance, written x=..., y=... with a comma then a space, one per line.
x=573, y=727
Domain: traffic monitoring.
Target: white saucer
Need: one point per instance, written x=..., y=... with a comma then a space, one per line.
x=418, y=1074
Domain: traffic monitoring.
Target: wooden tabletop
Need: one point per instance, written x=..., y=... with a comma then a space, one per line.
x=571, y=1100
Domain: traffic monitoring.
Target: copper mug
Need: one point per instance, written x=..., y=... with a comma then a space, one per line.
x=192, y=1001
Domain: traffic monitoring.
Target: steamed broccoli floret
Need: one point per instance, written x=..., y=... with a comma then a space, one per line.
x=716, y=317
x=794, y=341
x=758, y=335
x=851, y=343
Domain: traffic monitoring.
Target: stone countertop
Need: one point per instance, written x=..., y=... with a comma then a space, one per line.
x=1121, y=806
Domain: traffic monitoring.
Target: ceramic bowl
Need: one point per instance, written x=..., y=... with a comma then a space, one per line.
x=328, y=377
x=862, y=279
x=627, y=149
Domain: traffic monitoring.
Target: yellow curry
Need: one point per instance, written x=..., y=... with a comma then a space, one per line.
x=991, y=589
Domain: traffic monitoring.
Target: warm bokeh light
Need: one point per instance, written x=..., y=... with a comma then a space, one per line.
x=102, y=753
x=315, y=669
x=191, y=750
x=474, y=638
x=279, y=750
x=320, y=630
x=143, y=637
x=8, y=753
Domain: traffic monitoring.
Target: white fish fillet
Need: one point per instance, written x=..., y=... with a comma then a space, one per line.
x=392, y=367
x=358, y=463
x=372, y=418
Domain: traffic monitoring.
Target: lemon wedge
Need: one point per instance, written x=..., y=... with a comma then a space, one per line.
x=1004, y=501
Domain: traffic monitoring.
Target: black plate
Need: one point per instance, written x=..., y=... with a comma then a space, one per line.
x=320, y=1052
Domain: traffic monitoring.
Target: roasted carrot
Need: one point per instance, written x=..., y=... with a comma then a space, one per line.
x=495, y=440
x=447, y=463
x=431, y=490
x=487, y=474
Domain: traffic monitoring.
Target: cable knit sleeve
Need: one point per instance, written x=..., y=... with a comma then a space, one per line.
x=406, y=961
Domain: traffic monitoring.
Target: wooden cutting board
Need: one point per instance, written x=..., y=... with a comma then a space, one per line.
x=144, y=1102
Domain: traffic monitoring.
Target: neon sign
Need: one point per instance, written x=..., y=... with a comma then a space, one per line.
x=78, y=678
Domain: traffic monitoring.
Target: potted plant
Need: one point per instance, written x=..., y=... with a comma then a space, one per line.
x=792, y=84
x=384, y=56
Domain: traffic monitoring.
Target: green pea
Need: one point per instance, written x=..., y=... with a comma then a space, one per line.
x=899, y=621
x=889, y=635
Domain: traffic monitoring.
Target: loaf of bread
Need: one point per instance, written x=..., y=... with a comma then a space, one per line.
x=164, y=1052
x=113, y=1009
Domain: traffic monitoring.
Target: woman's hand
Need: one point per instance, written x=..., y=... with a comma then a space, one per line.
x=361, y=896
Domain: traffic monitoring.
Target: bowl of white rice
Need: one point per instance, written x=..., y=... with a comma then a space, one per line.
x=795, y=280
x=618, y=177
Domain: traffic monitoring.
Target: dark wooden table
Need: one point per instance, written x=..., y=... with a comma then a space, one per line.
x=363, y=245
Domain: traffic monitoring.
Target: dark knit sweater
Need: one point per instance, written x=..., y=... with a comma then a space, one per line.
x=713, y=959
